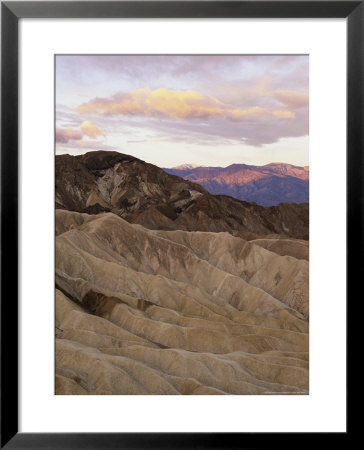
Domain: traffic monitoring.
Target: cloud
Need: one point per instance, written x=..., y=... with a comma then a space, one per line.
x=291, y=99
x=256, y=132
x=183, y=104
x=281, y=113
x=255, y=111
x=68, y=134
x=203, y=99
x=125, y=103
x=90, y=130
x=85, y=72
x=173, y=104
x=87, y=128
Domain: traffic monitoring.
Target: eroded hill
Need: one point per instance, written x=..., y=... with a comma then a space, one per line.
x=159, y=312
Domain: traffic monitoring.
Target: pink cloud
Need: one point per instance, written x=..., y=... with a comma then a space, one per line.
x=68, y=134
x=173, y=104
x=284, y=114
x=90, y=129
x=87, y=128
x=291, y=99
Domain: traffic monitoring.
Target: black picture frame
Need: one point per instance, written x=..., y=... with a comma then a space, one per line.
x=11, y=12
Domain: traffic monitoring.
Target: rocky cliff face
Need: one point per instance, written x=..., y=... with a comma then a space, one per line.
x=163, y=288
x=266, y=185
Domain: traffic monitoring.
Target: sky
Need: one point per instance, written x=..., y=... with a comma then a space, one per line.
x=210, y=110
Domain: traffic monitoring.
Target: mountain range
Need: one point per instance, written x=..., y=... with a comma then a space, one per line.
x=266, y=185
x=143, y=193
x=165, y=288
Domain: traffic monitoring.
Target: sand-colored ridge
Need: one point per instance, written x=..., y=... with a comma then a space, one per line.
x=142, y=311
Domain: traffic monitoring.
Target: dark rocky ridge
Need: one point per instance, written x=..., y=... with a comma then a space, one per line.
x=142, y=193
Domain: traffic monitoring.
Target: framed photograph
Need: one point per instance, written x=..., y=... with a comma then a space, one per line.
x=181, y=221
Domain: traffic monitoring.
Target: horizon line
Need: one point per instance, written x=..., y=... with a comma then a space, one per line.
x=196, y=166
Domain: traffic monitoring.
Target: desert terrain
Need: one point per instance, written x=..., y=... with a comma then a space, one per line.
x=165, y=288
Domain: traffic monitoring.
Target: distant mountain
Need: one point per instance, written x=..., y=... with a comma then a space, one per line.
x=145, y=194
x=266, y=185
x=186, y=166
